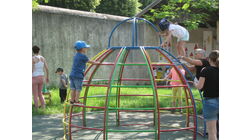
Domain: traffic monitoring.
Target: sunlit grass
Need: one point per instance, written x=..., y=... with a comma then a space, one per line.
x=165, y=99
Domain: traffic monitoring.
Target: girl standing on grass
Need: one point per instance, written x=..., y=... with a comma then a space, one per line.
x=168, y=29
x=209, y=82
x=177, y=91
x=38, y=65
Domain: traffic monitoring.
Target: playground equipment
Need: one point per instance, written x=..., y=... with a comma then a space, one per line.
x=118, y=60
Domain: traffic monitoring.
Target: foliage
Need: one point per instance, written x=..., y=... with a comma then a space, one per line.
x=86, y=5
x=34, y=4
x=119, y=7
x=145, y=3
x=189, y=12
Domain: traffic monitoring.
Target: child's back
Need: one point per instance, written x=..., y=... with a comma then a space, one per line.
x=175, y=76
x=79, y=65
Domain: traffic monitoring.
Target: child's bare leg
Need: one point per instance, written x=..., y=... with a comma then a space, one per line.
x=73, y=94
x=77, y=95
x=211, y=126
x=174, y=97
x=180, y=48
x=179, y=96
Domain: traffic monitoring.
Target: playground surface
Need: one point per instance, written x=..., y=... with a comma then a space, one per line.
x=49, y=127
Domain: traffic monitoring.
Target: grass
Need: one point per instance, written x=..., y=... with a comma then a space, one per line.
x=126, y=101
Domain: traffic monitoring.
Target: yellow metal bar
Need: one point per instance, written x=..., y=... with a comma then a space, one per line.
x=93, y=58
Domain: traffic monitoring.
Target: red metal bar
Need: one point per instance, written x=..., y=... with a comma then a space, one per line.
x=179, y=129
x=101, y=58
x=156, y=94
x=88, y=128
x=170, y=108
x=135, y=124
x=162, y=64
x=135, y=95
x=185, y=83
x=84, y=106
x=95, y=85
x=137, y=111
x=134, y=79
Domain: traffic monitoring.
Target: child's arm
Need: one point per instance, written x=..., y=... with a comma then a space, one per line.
x=168, y=39
x=168, y=76
x=47, y=70
x=200, y=83
x=64, y=83
x=169, y=36
x=195, y=62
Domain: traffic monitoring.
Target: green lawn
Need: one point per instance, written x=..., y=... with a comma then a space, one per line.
x=165, y=99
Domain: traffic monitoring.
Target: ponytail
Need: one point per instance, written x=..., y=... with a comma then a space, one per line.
x=217, y=62
x=214, y=57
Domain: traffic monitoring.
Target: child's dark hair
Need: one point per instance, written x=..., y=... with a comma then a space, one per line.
x=35, y=49
x=214, y=57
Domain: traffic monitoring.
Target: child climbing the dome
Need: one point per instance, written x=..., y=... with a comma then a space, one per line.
x=168, y=29
x=175, y=81
x=77, y=73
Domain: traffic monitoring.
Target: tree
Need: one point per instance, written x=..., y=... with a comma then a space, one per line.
x=145, y=3
x=191, y=13
x=119, y=7
x=86, y=5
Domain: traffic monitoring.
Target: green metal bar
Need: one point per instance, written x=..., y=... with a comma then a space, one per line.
x=154, y=91
x=117, y=108
x=110, y=89
x=130, y=130
x=118, y=90
x=133, y=86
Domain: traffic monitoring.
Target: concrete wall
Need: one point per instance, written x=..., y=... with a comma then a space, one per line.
x=55, y=30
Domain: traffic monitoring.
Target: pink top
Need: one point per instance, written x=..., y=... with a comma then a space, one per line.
x=174, y=76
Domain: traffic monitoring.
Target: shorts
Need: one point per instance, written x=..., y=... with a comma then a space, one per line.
x=211, y=109
x=76, y=83
x=185, y=37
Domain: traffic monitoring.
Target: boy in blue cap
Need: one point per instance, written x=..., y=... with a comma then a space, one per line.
x=168, y=29
x=77, y=73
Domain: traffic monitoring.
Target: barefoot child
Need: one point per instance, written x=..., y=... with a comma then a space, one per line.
x=177, y=91
x=168, y=29
x=77, y=73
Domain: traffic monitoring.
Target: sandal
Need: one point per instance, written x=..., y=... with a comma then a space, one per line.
x=71, y=102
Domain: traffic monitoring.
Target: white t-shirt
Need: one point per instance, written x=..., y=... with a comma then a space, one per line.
x=177, y=30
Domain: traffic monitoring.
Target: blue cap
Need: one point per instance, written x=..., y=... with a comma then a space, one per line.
x=81, y=44
x=164, y=24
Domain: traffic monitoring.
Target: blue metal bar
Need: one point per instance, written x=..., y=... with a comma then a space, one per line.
x=187, y=84
x=135, y=47
x=134, y=30
x=136, y=35
x=110, y=36
x=154, y=27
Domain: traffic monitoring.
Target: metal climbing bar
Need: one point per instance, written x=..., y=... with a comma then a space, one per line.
x=114, y=94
